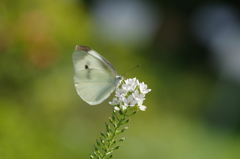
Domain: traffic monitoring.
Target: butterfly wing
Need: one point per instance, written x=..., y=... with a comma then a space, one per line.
x=84, y=56
x=94, y=85
x=94, y=76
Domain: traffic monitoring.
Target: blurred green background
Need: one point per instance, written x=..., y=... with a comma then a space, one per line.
x=189, y=56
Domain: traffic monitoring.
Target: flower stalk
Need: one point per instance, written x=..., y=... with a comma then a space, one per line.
x=128, y=100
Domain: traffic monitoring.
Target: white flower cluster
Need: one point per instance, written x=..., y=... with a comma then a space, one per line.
x=130, y=94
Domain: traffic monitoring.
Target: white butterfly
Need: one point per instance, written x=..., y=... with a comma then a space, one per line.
x=95, y=78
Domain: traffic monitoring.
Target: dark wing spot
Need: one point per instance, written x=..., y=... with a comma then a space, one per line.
x=86, y=67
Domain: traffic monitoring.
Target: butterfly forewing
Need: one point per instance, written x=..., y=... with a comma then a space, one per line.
x=84, y=57
x=105, y=61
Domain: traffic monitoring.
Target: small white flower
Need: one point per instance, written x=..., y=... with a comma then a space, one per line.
x=128, y=88
x=130, y=84
x=121, y=106
x=115, y=101
x=129, y=101
x=141, y=107
x=121, y=92
x=136, y=82
x=125, y=87
x=124, y=107
x=129, y=81
x=138, y=96
x=132, y=81
x=127, y=127
x=131, y=93
x=117, y=108
x=143, y=88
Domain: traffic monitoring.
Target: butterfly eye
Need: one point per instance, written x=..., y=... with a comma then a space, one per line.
x=86, y=66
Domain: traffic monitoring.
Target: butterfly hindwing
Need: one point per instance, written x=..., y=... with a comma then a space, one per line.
x=94, y=85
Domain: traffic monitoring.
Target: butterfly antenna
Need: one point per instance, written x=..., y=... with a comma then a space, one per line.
x=130, y=70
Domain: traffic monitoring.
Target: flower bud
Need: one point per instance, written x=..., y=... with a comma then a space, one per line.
x=95, y=153
x=110, y=156
x=132, y=113
x=114, y=142
x=121, y=112
x=102, y=141
x=117, y=147
x=121, y=131
x=125, y=122
x=113, y=118
x=115, y=125
x=98, y=143
x=122, y=139
x=127, y=127
x=95, y=148
x=110, y=120
x=108, y=128
x=103, y=134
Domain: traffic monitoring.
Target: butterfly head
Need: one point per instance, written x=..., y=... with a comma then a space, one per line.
x=118, y=80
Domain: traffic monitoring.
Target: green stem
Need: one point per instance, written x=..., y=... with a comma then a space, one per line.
x=110, y=142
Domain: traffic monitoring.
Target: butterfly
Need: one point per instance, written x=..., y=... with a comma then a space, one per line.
x=95, y=77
